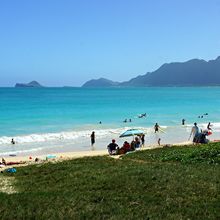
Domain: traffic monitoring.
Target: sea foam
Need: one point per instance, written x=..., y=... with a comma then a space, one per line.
x=68, y=135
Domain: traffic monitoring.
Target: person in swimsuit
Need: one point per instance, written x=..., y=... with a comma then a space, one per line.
x=209, y=126
x=156, y=128
x=92, y=136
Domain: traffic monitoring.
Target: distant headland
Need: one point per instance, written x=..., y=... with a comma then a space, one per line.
x=194, y=72
x=102, y=82
x=33, y=84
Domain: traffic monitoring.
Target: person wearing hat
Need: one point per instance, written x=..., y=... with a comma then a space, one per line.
x=112, y=148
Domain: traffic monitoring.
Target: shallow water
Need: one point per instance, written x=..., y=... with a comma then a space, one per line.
x=62, y=119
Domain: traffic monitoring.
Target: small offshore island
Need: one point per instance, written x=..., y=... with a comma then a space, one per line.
x=32, y=84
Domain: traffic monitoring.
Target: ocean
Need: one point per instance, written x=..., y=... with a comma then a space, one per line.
x=47, y=120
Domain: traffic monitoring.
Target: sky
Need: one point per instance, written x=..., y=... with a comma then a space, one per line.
x=67, y=42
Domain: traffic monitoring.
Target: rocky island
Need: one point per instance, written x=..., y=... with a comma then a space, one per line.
x=33, y=84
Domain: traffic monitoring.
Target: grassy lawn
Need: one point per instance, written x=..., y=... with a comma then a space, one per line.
x=170, y=183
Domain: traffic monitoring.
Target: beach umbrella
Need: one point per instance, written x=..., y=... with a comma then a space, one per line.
x=131, y=132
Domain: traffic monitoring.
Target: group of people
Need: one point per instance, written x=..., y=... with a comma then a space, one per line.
x=114, y=149
x=199, y=136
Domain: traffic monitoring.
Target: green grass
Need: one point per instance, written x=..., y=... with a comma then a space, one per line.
x=206, y=154
x=171, y=183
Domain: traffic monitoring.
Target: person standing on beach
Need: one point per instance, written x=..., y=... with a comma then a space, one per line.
x=194, y=132
x=137, y=143
x=208, y=126
x=92, y=136
x=156, y=128
x=142, y=140
x=158, y=141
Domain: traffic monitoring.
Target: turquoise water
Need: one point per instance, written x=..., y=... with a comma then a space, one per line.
x=28, y=111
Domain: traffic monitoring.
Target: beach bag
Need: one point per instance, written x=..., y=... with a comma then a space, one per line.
x=11, y=170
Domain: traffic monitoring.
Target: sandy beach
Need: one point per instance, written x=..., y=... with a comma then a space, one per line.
x=55, y=157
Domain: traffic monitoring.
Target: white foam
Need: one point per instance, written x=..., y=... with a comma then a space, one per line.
x=77, y=136
x=21, y=151
x=70, y=135
x=214, y=126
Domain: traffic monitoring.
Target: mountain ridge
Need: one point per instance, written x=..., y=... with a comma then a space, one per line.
x=194, y=72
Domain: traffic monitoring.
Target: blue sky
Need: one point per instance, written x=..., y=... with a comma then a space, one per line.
x=67, y=42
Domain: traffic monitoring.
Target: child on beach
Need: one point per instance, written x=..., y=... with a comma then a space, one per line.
x=159, y=141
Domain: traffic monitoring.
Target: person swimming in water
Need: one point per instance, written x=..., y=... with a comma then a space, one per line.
x=142, y=115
